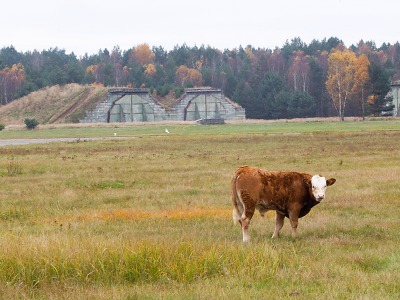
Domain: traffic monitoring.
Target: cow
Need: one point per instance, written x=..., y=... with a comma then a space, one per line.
x=290, y=194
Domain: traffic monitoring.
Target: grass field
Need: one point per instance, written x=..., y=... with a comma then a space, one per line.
x=149, y=217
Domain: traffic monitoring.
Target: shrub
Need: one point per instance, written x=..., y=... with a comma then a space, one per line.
x=31, y=123
x=2, y=127
x=179, y=91
x=163, y=90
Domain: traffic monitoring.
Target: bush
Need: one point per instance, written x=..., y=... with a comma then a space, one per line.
x=2, y=127
x=163, y=90
x=179, y=91
x=31, y=123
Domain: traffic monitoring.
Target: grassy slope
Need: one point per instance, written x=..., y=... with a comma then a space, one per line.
x=48, y=104
x=150, y=216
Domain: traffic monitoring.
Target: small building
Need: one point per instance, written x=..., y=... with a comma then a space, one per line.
x=395, y=93
x=137, y=105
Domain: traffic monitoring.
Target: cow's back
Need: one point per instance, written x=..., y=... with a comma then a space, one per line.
x=249, y=179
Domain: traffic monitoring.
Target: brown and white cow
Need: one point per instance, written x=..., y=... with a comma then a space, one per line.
x=290, y=194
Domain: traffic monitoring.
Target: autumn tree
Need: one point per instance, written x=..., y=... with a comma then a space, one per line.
x=150, y=70
x=188, y=77
x=341, y=83
x=299, y=72
x=11, y=80
x=143, y=54
x=361, y=78
x=250, y=53
x=93, y=70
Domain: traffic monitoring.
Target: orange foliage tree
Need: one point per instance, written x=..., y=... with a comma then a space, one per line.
x=143, y=54
x=186, y=76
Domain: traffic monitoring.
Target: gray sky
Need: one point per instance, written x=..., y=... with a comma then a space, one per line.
x=81, y=26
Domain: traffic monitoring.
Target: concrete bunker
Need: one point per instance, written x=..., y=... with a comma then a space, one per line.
x=138, y=105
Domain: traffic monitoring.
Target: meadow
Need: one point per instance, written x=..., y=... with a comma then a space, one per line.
x=148, y=215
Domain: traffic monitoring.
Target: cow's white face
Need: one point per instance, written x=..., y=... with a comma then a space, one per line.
x=318, y=185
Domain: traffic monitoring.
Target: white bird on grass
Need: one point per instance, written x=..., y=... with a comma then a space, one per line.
x=166, y=130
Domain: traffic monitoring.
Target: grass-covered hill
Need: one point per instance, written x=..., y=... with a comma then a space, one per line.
x=55, y=104
x=61, y=104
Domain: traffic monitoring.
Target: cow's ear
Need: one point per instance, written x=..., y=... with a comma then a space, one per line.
x=330, y=181
x=307, y=182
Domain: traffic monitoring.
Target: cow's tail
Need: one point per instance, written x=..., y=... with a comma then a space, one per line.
x=235, y=200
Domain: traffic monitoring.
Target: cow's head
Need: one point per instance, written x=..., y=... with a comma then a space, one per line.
x=318, y=186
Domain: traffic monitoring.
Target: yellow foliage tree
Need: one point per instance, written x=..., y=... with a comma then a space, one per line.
x=341, y=84
x=143, y=54
x=94, y=70
x=150, y=70
x=249, y=53
x=361, y=78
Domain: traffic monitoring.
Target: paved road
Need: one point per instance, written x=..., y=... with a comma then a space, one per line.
x=14, y=142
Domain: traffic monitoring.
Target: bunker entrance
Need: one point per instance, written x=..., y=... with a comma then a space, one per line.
x=131, y=108
x=204, y=107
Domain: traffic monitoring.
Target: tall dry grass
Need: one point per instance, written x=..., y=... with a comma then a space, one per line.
x=150, y=218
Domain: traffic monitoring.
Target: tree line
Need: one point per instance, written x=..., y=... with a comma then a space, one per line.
x=320, y=79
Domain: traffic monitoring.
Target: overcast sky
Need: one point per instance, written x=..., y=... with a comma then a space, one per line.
x=86, y=26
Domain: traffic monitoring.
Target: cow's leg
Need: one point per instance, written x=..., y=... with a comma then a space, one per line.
x=245, y=221
x=279, y=220
x=294, y=221
x=248, y=212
